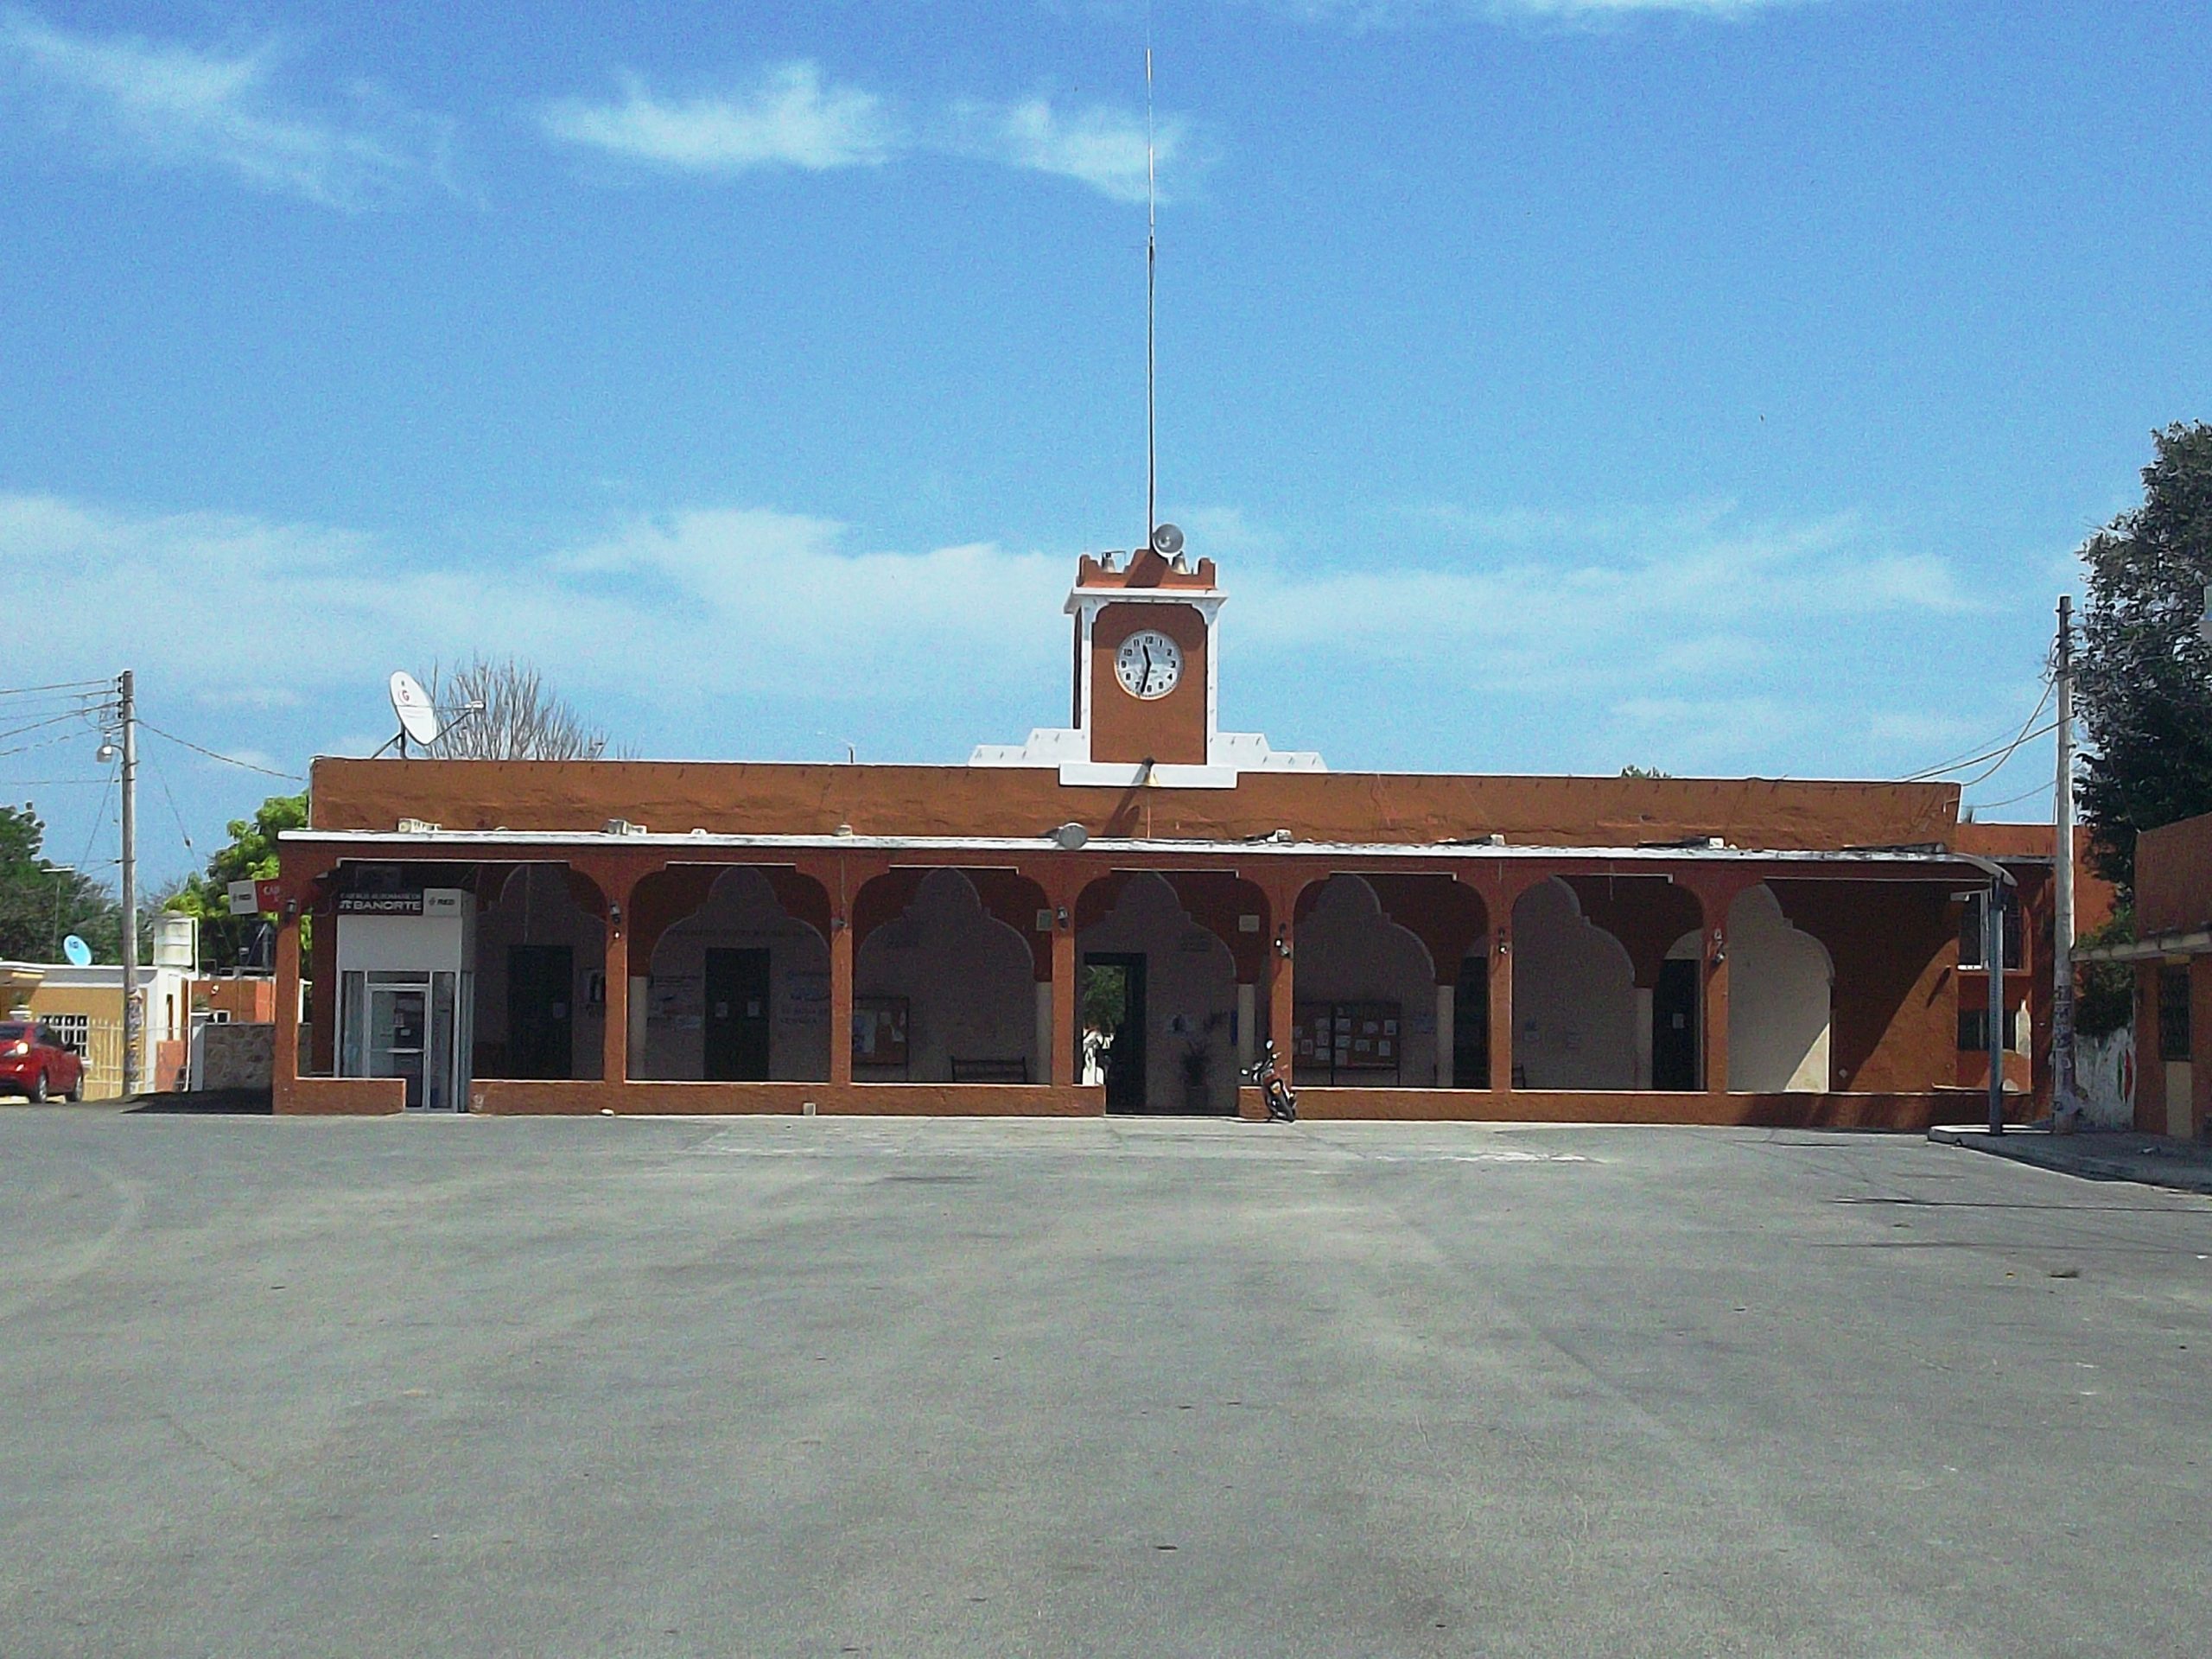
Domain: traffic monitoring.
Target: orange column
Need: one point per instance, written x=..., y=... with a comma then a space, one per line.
x=1282, y=995
x=1501, y=1005
x=614, y=1033
x=840, y=999
x=1061, y=1068
x=1716, y=891
x=286, y=1058
x=1715, y=953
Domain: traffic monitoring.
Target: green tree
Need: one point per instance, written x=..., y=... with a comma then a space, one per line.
x=41, y=902
x=2144, y=680
x=250, y=857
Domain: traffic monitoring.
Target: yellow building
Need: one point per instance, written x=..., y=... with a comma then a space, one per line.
x=85, y=1007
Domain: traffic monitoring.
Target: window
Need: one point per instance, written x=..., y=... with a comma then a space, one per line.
x=1970, y=931
x=1974, y=1032
x=2173, y=1013
x=71, y=1031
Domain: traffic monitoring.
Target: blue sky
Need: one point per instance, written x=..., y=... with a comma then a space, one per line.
x=1717, y=386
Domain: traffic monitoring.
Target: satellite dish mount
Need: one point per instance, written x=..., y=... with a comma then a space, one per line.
x=417, y=718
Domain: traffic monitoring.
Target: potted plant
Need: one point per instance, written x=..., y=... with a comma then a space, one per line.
x=1198, y=1077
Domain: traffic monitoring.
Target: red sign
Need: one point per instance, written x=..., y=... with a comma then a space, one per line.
x=270, y=895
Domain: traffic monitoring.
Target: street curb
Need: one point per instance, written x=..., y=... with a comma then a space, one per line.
x=2040, y=1149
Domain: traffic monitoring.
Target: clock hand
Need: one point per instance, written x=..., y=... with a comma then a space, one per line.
x=1145, y=684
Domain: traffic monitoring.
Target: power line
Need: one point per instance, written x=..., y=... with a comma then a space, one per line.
x=59, y=686
x=183, y=833
x=2010, y=800
x=2040, y=731
x=228, y=760
x=61, y=719
x=1962, y=764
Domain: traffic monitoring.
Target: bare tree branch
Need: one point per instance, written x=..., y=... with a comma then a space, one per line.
x=521, y=718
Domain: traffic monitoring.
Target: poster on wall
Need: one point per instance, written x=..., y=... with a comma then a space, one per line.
x=677, y=1001
x=879, y=1031
x=803, y=999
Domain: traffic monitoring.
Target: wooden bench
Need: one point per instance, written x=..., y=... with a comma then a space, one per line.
x=988, y=1070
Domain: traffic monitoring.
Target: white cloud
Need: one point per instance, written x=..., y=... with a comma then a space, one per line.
x=1101, y=146
x=790, y=118
x=130, y=97
x=1684, y=639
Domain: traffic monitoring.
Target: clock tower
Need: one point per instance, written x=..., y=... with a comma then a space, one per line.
x=1147, y=681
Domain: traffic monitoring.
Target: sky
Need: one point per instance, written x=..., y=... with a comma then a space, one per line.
x=1717, y=385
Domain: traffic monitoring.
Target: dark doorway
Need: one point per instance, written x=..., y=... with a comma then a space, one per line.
x=1112, y=1011
x=737, y=1016
x=541, y=1012
x=1470, y=1026
x=1673, y=1027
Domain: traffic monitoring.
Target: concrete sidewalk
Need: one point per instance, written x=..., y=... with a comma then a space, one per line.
x=2098, y=1155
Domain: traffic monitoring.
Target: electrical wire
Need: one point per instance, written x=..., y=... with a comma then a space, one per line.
x=228, y=760
x=1999, y=766
x=61, y=719
x=43, y=743
x=59, y=686
x=2011, y=800
x=1976, y=760
x=162, y=783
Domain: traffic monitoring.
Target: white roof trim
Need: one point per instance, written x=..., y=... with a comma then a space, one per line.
x=465, y=840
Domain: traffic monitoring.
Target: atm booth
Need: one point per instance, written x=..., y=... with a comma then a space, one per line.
x=406, y=991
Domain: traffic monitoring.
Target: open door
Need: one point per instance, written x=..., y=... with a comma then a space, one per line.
x=1675, y=1026
x=737, y=1016
x=541, y=1011
x=1113, y=1021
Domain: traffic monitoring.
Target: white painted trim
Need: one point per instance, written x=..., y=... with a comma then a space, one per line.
x=431, y=842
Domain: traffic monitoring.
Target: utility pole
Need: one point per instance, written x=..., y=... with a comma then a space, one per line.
x=134, y=1018
x=2065, y=1104
x=1993, y=955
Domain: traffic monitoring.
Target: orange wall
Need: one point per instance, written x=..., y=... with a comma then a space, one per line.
x=248, y=1001
x=737, y=799
x=2173, y=877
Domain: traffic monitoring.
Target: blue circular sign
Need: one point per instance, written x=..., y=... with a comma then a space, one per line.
x=80, y=953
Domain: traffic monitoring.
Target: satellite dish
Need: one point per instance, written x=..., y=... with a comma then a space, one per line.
x=80, y=953
x=1071, y=836
x=417, y=719
x=1167, y=541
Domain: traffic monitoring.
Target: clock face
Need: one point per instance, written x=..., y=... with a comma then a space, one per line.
x=1149, y=665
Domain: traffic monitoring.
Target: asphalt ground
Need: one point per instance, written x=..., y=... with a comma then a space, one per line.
x=770, y=1387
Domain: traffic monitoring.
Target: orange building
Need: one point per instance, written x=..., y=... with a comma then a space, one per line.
x=1114, y=915
x=2172, y=960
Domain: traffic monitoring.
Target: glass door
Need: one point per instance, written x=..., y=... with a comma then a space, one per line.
x=398, y=1030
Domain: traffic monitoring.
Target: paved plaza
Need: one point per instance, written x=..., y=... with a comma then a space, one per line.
x=815, y=1387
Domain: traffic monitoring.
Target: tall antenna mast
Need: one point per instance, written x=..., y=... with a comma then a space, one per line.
x=1151, y=285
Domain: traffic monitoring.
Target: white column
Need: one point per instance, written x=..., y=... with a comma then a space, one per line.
x=1041, y=1070
x=1444, y=1016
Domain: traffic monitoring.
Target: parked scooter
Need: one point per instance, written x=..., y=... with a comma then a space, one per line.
x=1266, y=1074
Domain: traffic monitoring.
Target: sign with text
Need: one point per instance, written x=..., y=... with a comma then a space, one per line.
x=380, y=903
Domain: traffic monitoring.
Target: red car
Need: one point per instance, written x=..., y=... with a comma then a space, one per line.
x=35, y=1062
